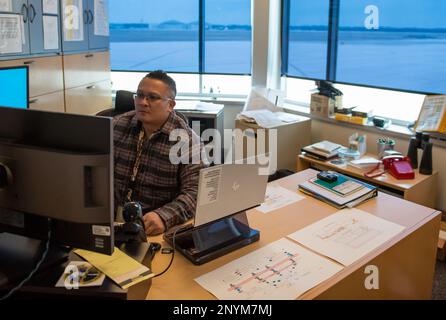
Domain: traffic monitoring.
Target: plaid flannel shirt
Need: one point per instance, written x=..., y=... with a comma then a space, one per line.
x=168, y=189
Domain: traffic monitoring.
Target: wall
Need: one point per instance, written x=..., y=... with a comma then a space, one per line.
x=337, y=133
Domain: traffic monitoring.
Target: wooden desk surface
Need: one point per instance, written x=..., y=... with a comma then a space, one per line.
x=178, y=282
x=385, y=179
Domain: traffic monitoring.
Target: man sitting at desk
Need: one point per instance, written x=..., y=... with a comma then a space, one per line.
x=143, y=171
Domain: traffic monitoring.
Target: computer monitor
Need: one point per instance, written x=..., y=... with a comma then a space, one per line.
x=14, y=87
x=57, y=166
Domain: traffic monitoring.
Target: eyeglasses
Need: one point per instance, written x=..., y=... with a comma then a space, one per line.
x=151, y=97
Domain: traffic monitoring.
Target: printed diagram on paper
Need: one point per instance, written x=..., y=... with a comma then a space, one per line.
x=281, y=270
x=347, y=235
x=349, y=232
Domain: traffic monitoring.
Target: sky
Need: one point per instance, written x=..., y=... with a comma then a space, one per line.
x=392, y=13
x=156, y=11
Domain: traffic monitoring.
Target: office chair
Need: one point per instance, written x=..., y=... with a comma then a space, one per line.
x=124, y=103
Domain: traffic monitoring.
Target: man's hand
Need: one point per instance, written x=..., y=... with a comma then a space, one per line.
x=153, y=224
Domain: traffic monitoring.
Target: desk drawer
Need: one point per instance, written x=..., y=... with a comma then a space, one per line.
x=49, y=102
x=89, y=99
x=81, y=69
x=45, y=74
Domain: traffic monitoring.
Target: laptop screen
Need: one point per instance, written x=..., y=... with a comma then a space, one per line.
x=227, y=189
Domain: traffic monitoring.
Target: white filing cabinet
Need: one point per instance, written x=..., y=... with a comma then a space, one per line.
x=291, y=137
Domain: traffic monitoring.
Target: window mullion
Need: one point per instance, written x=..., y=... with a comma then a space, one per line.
x=332, y=46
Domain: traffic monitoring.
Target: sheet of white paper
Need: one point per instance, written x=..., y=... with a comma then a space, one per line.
x=347, y=235
x=10, y=33
x=287, y=117
x=209, y=188
x=49, y=6
x=186, y=105
x=280, y=270
x=6, y=5
x=278, y=197
x=262, y=98
x=73, y=20
x=205, y=106
x=264, y=118
x=101, y=18
x=50, y=33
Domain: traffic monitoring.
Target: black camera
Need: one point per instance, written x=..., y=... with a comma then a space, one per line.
x=132, y=230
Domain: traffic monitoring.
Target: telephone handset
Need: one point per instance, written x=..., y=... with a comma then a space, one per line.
x=399, y=167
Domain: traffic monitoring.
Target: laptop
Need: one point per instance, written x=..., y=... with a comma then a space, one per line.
x=220, y=223
x=226, y=189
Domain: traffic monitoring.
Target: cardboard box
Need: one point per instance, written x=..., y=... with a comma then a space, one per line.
x=324, y=106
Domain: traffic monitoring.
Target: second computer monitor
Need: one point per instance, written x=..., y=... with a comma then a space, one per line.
x=14, y=87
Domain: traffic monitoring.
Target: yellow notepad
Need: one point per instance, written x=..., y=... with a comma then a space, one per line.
x=119, y=267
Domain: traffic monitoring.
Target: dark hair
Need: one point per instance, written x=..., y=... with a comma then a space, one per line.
x=162, y=76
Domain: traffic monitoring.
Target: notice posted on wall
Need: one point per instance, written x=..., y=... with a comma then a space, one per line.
x=49, y=6
x=50, y=33
x=101, y=18
x=10, y=33
x=73, y=23
x=6, y=5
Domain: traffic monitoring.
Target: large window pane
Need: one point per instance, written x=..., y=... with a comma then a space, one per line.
x=397, y=44
x=308, y=35
x=227, y=36
x=151, y=34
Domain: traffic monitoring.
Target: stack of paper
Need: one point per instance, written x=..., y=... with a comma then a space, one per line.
x=364, y=163
x=323, y=150
x=263, y=118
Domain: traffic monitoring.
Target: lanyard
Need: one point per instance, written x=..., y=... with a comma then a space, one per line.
x=136, y=165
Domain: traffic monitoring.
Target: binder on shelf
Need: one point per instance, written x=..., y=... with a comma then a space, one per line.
x=357, y=195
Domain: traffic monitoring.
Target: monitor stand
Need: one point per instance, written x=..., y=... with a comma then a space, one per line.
x=20, y=254
x=207, y=242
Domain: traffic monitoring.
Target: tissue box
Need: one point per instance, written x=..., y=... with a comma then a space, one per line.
x=324, y=106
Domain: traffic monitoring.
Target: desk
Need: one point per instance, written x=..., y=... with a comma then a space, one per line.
x=421, y=190
x=406, y=262
x=42, y=283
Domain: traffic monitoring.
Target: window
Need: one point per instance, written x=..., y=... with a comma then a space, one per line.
x=384, y=44
x=397, y=44
x=149, y=34
x=306, y=36
x=227, y=36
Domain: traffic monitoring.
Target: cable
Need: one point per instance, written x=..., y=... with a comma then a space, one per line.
x=44, y=254
x=173, y=255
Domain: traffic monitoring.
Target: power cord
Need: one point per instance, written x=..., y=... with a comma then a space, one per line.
x=44, y=254
x=173, y=255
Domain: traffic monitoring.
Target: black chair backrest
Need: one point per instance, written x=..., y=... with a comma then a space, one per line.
x=124, y=101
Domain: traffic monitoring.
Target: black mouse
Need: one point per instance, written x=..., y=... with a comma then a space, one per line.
x=155, y=246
